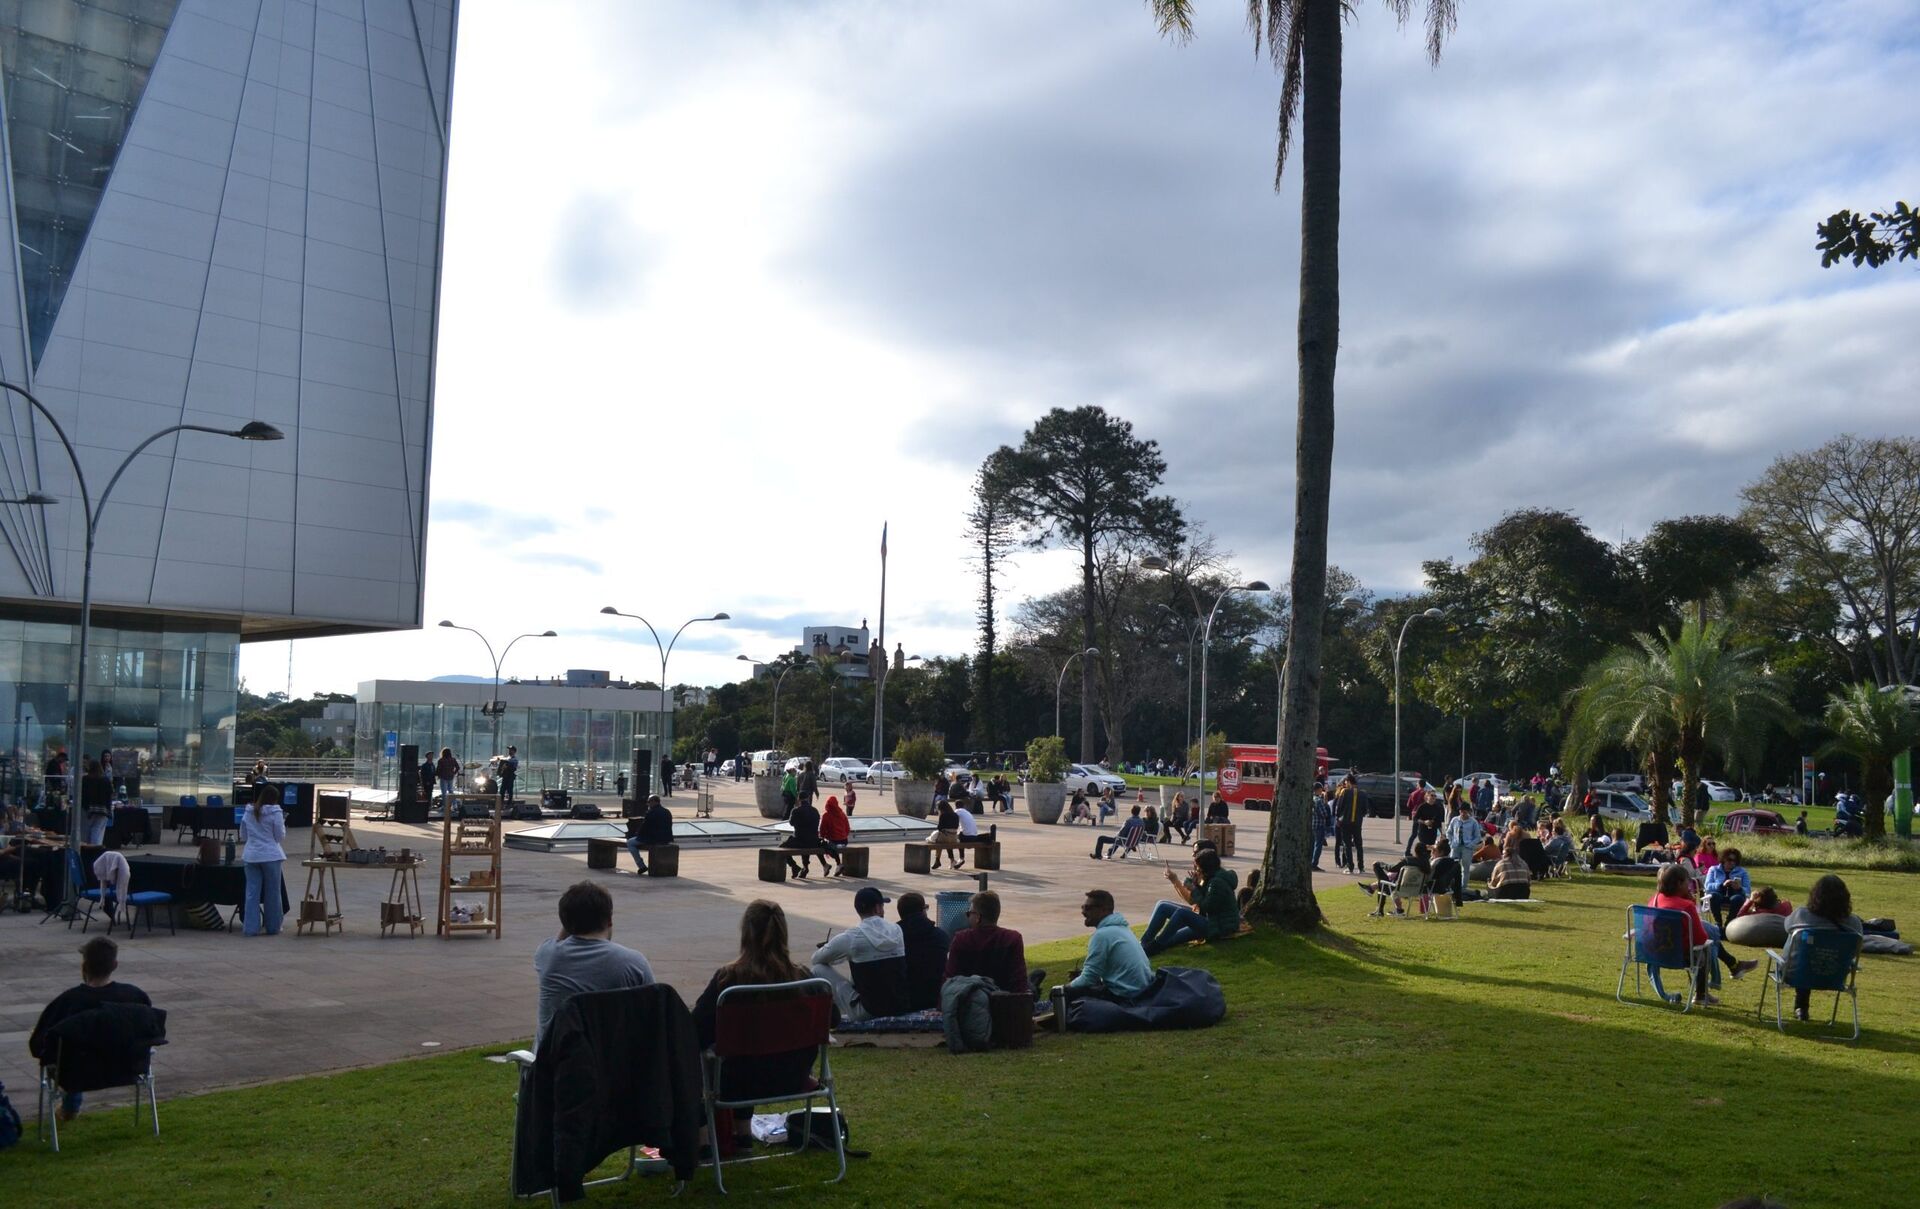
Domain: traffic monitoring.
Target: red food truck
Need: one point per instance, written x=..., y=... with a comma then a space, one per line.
x=1251, y=770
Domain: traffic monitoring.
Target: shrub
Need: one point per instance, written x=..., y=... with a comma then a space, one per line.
x=922, y=755
x=1047, y=758
x=1216, y=754
x=1811, y=852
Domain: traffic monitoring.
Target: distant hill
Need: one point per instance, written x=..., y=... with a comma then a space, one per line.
x=462, y=680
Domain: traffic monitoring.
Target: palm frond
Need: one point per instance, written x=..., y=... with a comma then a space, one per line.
x=1174, y=19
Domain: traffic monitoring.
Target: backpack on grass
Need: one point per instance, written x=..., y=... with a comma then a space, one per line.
x=9, y=1121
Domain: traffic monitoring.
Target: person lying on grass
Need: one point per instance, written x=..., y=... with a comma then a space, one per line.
x=1765, y=901
x=1387, y=877
x=1674, y=892
x=1208, y=909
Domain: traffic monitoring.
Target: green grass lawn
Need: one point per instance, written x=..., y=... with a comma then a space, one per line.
x=1481, y=1062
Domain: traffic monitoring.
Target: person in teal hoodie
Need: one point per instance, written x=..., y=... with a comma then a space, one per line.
x=1116, y=967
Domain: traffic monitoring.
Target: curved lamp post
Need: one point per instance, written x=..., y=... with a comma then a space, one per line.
x=1154, y=562
x=253, y=430
x=773, y=732
x=1394, y=780
x=494, y=708
x=666, y=653
x=1091, y=652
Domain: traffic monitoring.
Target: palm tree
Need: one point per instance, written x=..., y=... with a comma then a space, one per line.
x=1302, y=38
x=1873, y=725
x=1689, y=693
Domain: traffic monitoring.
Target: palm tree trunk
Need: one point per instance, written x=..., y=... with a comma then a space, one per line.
x=1692, y=747
x=1286, y=895
x=1876, y=782
x=1660, y=781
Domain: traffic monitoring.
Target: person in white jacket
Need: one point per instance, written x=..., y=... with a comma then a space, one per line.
x=263, y=826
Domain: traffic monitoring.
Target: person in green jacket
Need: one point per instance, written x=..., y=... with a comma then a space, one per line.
x=789, y=790
x=1210, y=909
x=1116, y=967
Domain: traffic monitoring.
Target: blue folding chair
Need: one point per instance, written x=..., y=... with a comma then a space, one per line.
x=1815, y=959
x=187, y=802
x=1659, y=939
x=87, y=897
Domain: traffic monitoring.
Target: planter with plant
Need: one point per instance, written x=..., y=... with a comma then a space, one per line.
x=922, y=756
x=1046, y=790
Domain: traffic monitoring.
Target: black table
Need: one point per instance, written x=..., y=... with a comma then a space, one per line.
x=204, y=820
x=189, y=881
x=130, y=825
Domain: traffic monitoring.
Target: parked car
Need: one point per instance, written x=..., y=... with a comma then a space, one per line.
x=1093, y=779
x=836, y=769
x=1623, y=782
x=1718, y=791
x=1755, y=821
x=1620, y=806
x=1382, y=798
x=1500, y=785
x=887, y=770
x=768, y=761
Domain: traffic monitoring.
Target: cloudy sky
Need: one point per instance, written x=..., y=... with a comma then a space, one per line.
x=727, y=285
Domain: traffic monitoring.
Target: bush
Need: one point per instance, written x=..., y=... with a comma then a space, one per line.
x=922, y=755
x=1216, y=755
x=1809, y=852
x=1047, y=758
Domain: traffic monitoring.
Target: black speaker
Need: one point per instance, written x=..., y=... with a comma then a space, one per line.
x=411, y=805
x=642, y=784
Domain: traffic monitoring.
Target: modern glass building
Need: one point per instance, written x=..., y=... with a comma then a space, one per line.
x=569, y=737
x=215, y=212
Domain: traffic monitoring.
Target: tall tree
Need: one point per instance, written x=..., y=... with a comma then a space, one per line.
x=1302, y=38
x=991, y=531
x=1691, y=693
x=1873, y=726
x=1847, y=515
x=1081, y=479
x=1692, y=560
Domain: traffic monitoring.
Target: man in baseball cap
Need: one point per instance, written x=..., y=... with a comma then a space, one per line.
x=875, y=954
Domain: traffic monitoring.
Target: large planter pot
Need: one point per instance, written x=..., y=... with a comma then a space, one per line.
x=766, y=795
x=913, y=798
x=1046, y=801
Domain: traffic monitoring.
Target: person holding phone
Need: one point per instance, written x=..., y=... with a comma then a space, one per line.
x=1208, y=906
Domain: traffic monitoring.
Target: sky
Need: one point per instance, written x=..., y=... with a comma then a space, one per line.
x=728, y=286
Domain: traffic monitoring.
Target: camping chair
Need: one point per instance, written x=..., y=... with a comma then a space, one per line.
x=74, y=1067
x=1815, y=959
x=1412, y=884
x=1658, y=939
x=761, y=1021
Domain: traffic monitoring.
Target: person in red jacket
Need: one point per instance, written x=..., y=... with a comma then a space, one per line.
x=835, y=830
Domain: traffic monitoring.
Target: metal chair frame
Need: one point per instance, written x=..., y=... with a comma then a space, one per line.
x=50, y=1093
x=1697, y=957
x=1777, y=977
x=713, y=1065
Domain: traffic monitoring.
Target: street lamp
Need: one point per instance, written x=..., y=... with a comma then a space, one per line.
x=494, y=708
x=1394, y=780
x=1092, y=652
x=879, y=692
x=1186, y=736
x=773, y=736
x=666, y=653
x=1206, y=640
x=252, y=430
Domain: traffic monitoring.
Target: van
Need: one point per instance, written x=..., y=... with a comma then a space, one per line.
x=768, y=762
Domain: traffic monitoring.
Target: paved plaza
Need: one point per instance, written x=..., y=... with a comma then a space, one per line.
x=246, y=1010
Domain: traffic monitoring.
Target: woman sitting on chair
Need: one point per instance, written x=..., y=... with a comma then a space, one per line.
x=1829, y=905
x=763, y=959
x=1674, y=892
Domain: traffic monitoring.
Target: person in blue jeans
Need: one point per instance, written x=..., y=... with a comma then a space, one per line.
x=264, y=827
x=1322, y=823
x=1210, y=909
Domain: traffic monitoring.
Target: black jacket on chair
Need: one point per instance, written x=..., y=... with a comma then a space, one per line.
x=106, y=1046
x=616, y=1069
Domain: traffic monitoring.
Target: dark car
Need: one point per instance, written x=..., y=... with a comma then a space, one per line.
x=1377, y=790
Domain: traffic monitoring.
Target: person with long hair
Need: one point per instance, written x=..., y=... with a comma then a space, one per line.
x=264, y=827
x=1674, y=892
x=1829, y=905
x=763, y=959
x=446, y=770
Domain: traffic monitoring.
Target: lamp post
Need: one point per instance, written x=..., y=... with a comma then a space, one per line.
x=1394, y=780
x=666, y=652
x=1186, y=736
x=879, y=690
x=252, y=430
x=1092, y=652
x=1206, y=640
x=773, y=735
x=494, y=709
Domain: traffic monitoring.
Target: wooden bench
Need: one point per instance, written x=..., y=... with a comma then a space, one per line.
x=663, y=860
x=919, y=854
x=854, y=861
x=603, y=854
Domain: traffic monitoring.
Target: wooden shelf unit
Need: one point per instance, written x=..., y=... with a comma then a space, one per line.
x=470, y=840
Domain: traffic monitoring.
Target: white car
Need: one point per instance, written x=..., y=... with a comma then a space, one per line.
x=1093, y=779
x=1622, y=807
x=1718, y=791
x=1500, y=785
x=835, y=769
x=887, y=770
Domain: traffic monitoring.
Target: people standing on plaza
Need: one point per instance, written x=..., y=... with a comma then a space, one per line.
x=666, y=775
x=653, y=829
x=583, y=956
x=742, y=766
x=446, y=770
x=96, y=799
x=1322, y=823
x=427, y=773
x=847, y=794
x=1349, y=809
x=263, y=825
x=509, y=772
x=789, y=792
x=809, y=782
x=99, y=958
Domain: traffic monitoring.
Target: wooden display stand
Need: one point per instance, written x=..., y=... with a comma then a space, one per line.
x=320, y=902
x=1222, y=836
x=479, y=885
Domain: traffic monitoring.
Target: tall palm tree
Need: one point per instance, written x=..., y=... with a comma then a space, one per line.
x=1302, y=38
x=1690, y=693
x=1873, y=725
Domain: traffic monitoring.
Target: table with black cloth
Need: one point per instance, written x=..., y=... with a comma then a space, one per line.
x=189, y=881
x=204, y=820
x=130, y=825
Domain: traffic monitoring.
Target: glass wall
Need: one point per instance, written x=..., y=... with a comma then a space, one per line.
x=162, y=700
x=559, y=748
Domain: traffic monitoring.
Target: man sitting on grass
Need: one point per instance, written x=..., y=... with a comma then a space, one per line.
x=99, y=958
x=1116, y=967
x=875, y=953
x=583, y=957
x=1209, y=909
x=991, y=951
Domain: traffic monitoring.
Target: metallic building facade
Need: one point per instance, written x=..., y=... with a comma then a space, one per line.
x=216, y=211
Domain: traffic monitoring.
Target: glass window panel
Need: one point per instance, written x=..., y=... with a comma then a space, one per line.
x=545, y=740
x=573, y=736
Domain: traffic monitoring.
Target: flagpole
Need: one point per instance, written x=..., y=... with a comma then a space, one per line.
x=880, y=675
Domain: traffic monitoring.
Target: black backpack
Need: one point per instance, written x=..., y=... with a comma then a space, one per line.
x=9, y=1121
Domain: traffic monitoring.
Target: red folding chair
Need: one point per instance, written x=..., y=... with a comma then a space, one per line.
x=760, y=1021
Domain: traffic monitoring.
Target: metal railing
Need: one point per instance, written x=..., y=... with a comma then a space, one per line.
x=317, y=769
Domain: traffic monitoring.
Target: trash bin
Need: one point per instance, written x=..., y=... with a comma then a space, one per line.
x=951, y=907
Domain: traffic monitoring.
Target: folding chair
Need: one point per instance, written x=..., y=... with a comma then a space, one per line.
x=1146, y=845
x=1815, y=959
x=1411, y=886
x=88, y=896
x=1659, y=939
x=762, y=1021
x=136, y=1071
